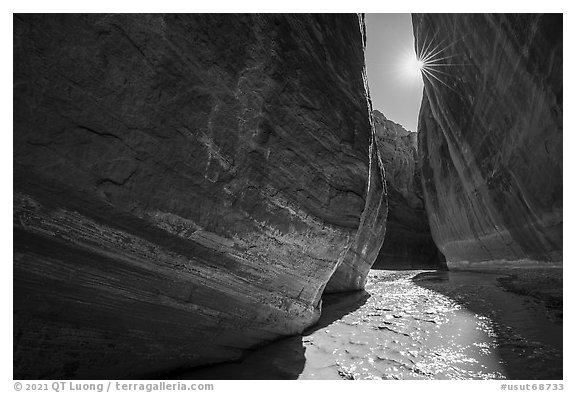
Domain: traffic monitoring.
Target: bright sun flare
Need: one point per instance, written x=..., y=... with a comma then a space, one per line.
x=416, y=65
x=412, y=67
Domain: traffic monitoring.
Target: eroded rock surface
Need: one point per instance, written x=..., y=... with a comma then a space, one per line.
x=408, y=243
x=490, y=135
x=352, y=272
x=184, y=185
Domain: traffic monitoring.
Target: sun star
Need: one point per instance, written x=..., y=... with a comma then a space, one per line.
x=419, y=65
x=413, y=67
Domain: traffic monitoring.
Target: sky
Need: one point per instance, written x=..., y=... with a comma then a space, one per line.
x=395, y=83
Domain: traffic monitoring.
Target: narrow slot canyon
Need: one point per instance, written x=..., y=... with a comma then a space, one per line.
x=247, y=196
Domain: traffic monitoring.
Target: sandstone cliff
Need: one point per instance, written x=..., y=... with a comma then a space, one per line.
x=490, y=135
x=184, y=185
x=408, y=243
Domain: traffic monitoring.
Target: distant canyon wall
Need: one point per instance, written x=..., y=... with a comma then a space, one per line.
x=185, y=186
x=490, y=135
x=408, y=243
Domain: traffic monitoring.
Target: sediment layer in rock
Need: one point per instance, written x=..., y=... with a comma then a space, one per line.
x=408, y=243
x=490, y=135
x=184, y=185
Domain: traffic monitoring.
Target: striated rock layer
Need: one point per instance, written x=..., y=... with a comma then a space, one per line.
x=490, y=135
x=408, y=243
x=184, y=185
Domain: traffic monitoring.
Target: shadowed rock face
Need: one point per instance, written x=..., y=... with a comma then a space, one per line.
x=490, y=136
x=408, y=243
x=184, y=185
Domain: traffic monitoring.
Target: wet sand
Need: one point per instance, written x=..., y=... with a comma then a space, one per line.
x=414, y=325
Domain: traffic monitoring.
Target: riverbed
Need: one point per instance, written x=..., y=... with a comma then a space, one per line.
x=413, y=325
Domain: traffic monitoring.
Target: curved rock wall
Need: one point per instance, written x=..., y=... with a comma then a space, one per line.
x=184, y=185
x=353, y=269
x=490, y=135
x=408, y=243
x=352, y=272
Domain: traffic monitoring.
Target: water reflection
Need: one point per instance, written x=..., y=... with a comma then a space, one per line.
x=404, y=331
x=412, y=325
x=528, y=344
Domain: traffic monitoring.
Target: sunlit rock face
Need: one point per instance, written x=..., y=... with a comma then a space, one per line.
x=408, y=243
x=490, y=136
x=352, y=271
x=184, y=185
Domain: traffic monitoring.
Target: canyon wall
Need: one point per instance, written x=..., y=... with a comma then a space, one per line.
x=185, y=186
x=408, y=243
x=490, y=135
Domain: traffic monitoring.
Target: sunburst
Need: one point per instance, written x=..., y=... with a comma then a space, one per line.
x=432, y=58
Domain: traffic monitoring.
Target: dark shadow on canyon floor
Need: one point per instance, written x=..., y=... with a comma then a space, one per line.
x=282, y=359
x=527, y=325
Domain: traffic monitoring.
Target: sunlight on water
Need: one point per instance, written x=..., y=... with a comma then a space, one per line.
x=408, y=325
x=404, y=331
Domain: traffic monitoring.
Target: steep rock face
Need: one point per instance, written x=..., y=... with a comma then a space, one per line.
x=490, y=135
x=408, y=243
x=184, y=185
x=352, y=272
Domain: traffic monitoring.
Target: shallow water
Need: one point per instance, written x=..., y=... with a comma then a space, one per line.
x=404, y=331
x=413, y=325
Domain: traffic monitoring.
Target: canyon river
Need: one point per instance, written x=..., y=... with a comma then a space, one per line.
x=414, y=325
